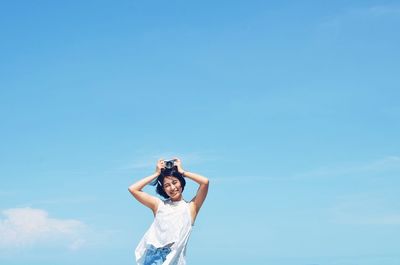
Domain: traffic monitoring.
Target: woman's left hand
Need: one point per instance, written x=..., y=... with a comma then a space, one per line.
x=178, y=165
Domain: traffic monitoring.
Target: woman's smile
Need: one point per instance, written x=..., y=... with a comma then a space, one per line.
x=174, y=193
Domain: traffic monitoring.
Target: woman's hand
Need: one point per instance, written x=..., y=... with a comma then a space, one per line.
x=160, y=165
x=178, y=165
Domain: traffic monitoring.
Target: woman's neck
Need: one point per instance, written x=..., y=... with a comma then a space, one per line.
x=176, y=199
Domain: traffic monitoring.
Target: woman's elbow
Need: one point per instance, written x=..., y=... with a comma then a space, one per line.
x=206, y=181
x=132, y=189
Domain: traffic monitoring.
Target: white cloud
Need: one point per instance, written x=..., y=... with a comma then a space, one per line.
x=27, y=226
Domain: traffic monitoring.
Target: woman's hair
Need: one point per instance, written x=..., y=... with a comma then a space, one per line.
x=166, y=173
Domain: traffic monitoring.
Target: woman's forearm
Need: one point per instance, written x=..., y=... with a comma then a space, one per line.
x=201, y=180
x=138, y=186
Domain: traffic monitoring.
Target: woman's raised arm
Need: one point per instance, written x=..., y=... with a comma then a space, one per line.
x=202, y=191
x=143, y=197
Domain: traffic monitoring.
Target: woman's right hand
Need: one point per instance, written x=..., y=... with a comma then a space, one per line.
x=160, y=165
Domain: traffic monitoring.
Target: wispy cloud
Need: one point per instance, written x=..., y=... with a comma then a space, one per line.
x=391, y=111
x=6, y=193
x=22, y=227
x=59, y=201
x=354, y=169
x=253, y=178
x=365, y=209
x=148, y=160
x=388, y=163
x=380, y=10
x=361, y=13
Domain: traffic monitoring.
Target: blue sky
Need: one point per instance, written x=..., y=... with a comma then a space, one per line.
x=290, y=108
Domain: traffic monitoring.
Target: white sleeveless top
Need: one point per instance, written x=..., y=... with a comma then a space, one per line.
x=172, y=225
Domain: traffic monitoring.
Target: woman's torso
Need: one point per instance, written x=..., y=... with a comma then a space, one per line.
x=167, y=237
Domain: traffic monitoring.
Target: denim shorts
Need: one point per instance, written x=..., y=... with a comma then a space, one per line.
x=156, y=256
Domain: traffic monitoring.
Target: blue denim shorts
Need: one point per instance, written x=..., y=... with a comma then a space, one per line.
x=156, y=256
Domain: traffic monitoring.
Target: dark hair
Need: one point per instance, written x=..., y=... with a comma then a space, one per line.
x=166, y=173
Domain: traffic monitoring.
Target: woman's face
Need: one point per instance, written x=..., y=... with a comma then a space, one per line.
x=172, y=186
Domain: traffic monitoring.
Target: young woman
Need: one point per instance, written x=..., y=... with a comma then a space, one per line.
x=165, y=241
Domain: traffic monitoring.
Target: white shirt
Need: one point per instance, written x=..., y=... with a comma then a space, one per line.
x=172, y=225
